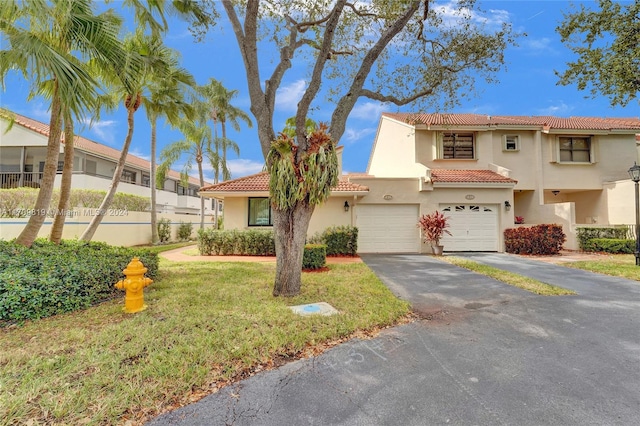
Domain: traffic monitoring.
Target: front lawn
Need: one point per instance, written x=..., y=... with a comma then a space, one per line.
x=208, y=323
x=617, y=265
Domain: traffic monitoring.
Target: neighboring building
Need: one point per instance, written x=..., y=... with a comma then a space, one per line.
x=23, y=151
x=479, y=170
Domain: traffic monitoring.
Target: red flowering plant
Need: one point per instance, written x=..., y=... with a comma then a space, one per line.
x=519, y=220
x=433, y=227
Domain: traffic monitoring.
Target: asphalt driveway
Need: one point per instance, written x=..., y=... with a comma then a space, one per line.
x=483, y=353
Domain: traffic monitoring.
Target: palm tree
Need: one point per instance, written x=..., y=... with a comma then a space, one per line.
x=218, y=100
x=197, y=145
x=156, y=64
x=166, y=99
x=46, y=44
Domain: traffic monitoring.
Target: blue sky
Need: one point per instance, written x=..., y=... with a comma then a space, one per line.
x=527, y=86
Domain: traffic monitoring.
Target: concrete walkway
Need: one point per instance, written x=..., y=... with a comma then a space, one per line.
x=178, y=255
x=483, y=353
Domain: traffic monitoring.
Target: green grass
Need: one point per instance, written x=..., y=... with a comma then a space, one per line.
x=516, y=280
x=159, y=248
x=207, y=324
x=617, y=265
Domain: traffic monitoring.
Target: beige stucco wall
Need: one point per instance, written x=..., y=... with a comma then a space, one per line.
x=120, y=228
x=395, y=150
x=620, y=202
x=331, y=213
x=614, y=154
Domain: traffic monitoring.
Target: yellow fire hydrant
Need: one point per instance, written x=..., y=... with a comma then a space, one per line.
x=134, y=285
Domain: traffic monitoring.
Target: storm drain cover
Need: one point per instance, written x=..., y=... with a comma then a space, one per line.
x=320, y=308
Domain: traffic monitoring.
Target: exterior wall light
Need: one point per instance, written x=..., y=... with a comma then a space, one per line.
x=346, y=206
x=507, y=205
x=556, y=192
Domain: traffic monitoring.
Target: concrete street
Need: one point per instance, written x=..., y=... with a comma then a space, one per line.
x=484, y=353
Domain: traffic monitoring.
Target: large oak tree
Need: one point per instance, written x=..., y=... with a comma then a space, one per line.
x=606, y=41
x=416, y=52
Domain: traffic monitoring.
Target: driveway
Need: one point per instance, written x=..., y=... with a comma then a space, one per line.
x=483, y=353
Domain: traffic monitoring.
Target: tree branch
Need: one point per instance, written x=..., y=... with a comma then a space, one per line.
x=347, y=102
x=393, y=99
x=316, y=75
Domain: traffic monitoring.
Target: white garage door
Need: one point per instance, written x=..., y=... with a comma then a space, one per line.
x=473, y=227
x=387, y=228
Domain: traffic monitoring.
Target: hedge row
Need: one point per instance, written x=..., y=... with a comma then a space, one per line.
x=314, y=256
x=234, y=242
x=586, y=234
x=340, y=240
x=538, y=239
x=49, y=279
x=610, y=245
x=17, y=202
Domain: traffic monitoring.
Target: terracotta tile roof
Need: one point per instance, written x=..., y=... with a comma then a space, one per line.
x=469, y=176
x=91, y=146
x=543, y=122
x=260, y=183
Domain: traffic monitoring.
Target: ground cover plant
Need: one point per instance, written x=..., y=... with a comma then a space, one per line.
x=618, y=265
x=207, y=323
x=516, y=280
x=49, y=279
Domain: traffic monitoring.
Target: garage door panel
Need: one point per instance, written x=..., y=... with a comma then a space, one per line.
x=473, y=227
x=387, y=228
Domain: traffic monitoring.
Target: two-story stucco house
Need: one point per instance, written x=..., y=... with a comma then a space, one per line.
x=23, y=150
x=479, y=170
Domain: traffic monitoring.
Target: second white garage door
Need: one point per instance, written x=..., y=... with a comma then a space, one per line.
x=473, y=227
x=387, y=228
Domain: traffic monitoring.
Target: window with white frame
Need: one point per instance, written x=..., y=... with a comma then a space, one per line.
x=575, y=149
x=459, y=146
x=511, y=143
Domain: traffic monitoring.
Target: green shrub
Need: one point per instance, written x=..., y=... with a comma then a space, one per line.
x=185, y=229
x=164, y=230
x=538, y=239
x=611, y=245
x=16, y=202
x=49, y=279
x=340, y=240
x=588, y=233
x=253, y=242
x=314, y=256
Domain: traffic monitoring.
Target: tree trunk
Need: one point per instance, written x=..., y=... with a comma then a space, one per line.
x=152, y=184
x=88, y=233
x=31, y=229
x=201, y=175
x=290, y=229
x=60, y=213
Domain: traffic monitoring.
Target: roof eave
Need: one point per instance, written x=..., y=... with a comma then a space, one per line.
x=474, y=184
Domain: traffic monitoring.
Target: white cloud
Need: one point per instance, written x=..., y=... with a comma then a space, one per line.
x=537, y=46
x=368, y=110
x=140, y=154
x=559, y=109
x=243, y=167
x=452, y=14
x=40, y=112
x=287, y=97
x=103, y=130
x=352, y=135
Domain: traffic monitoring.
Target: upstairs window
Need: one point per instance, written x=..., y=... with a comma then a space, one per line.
x=260, y=212
x=575, y=149
x=511, y=143
x=459, y=146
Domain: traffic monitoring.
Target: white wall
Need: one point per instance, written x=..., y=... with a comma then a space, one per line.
x=119, y=228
